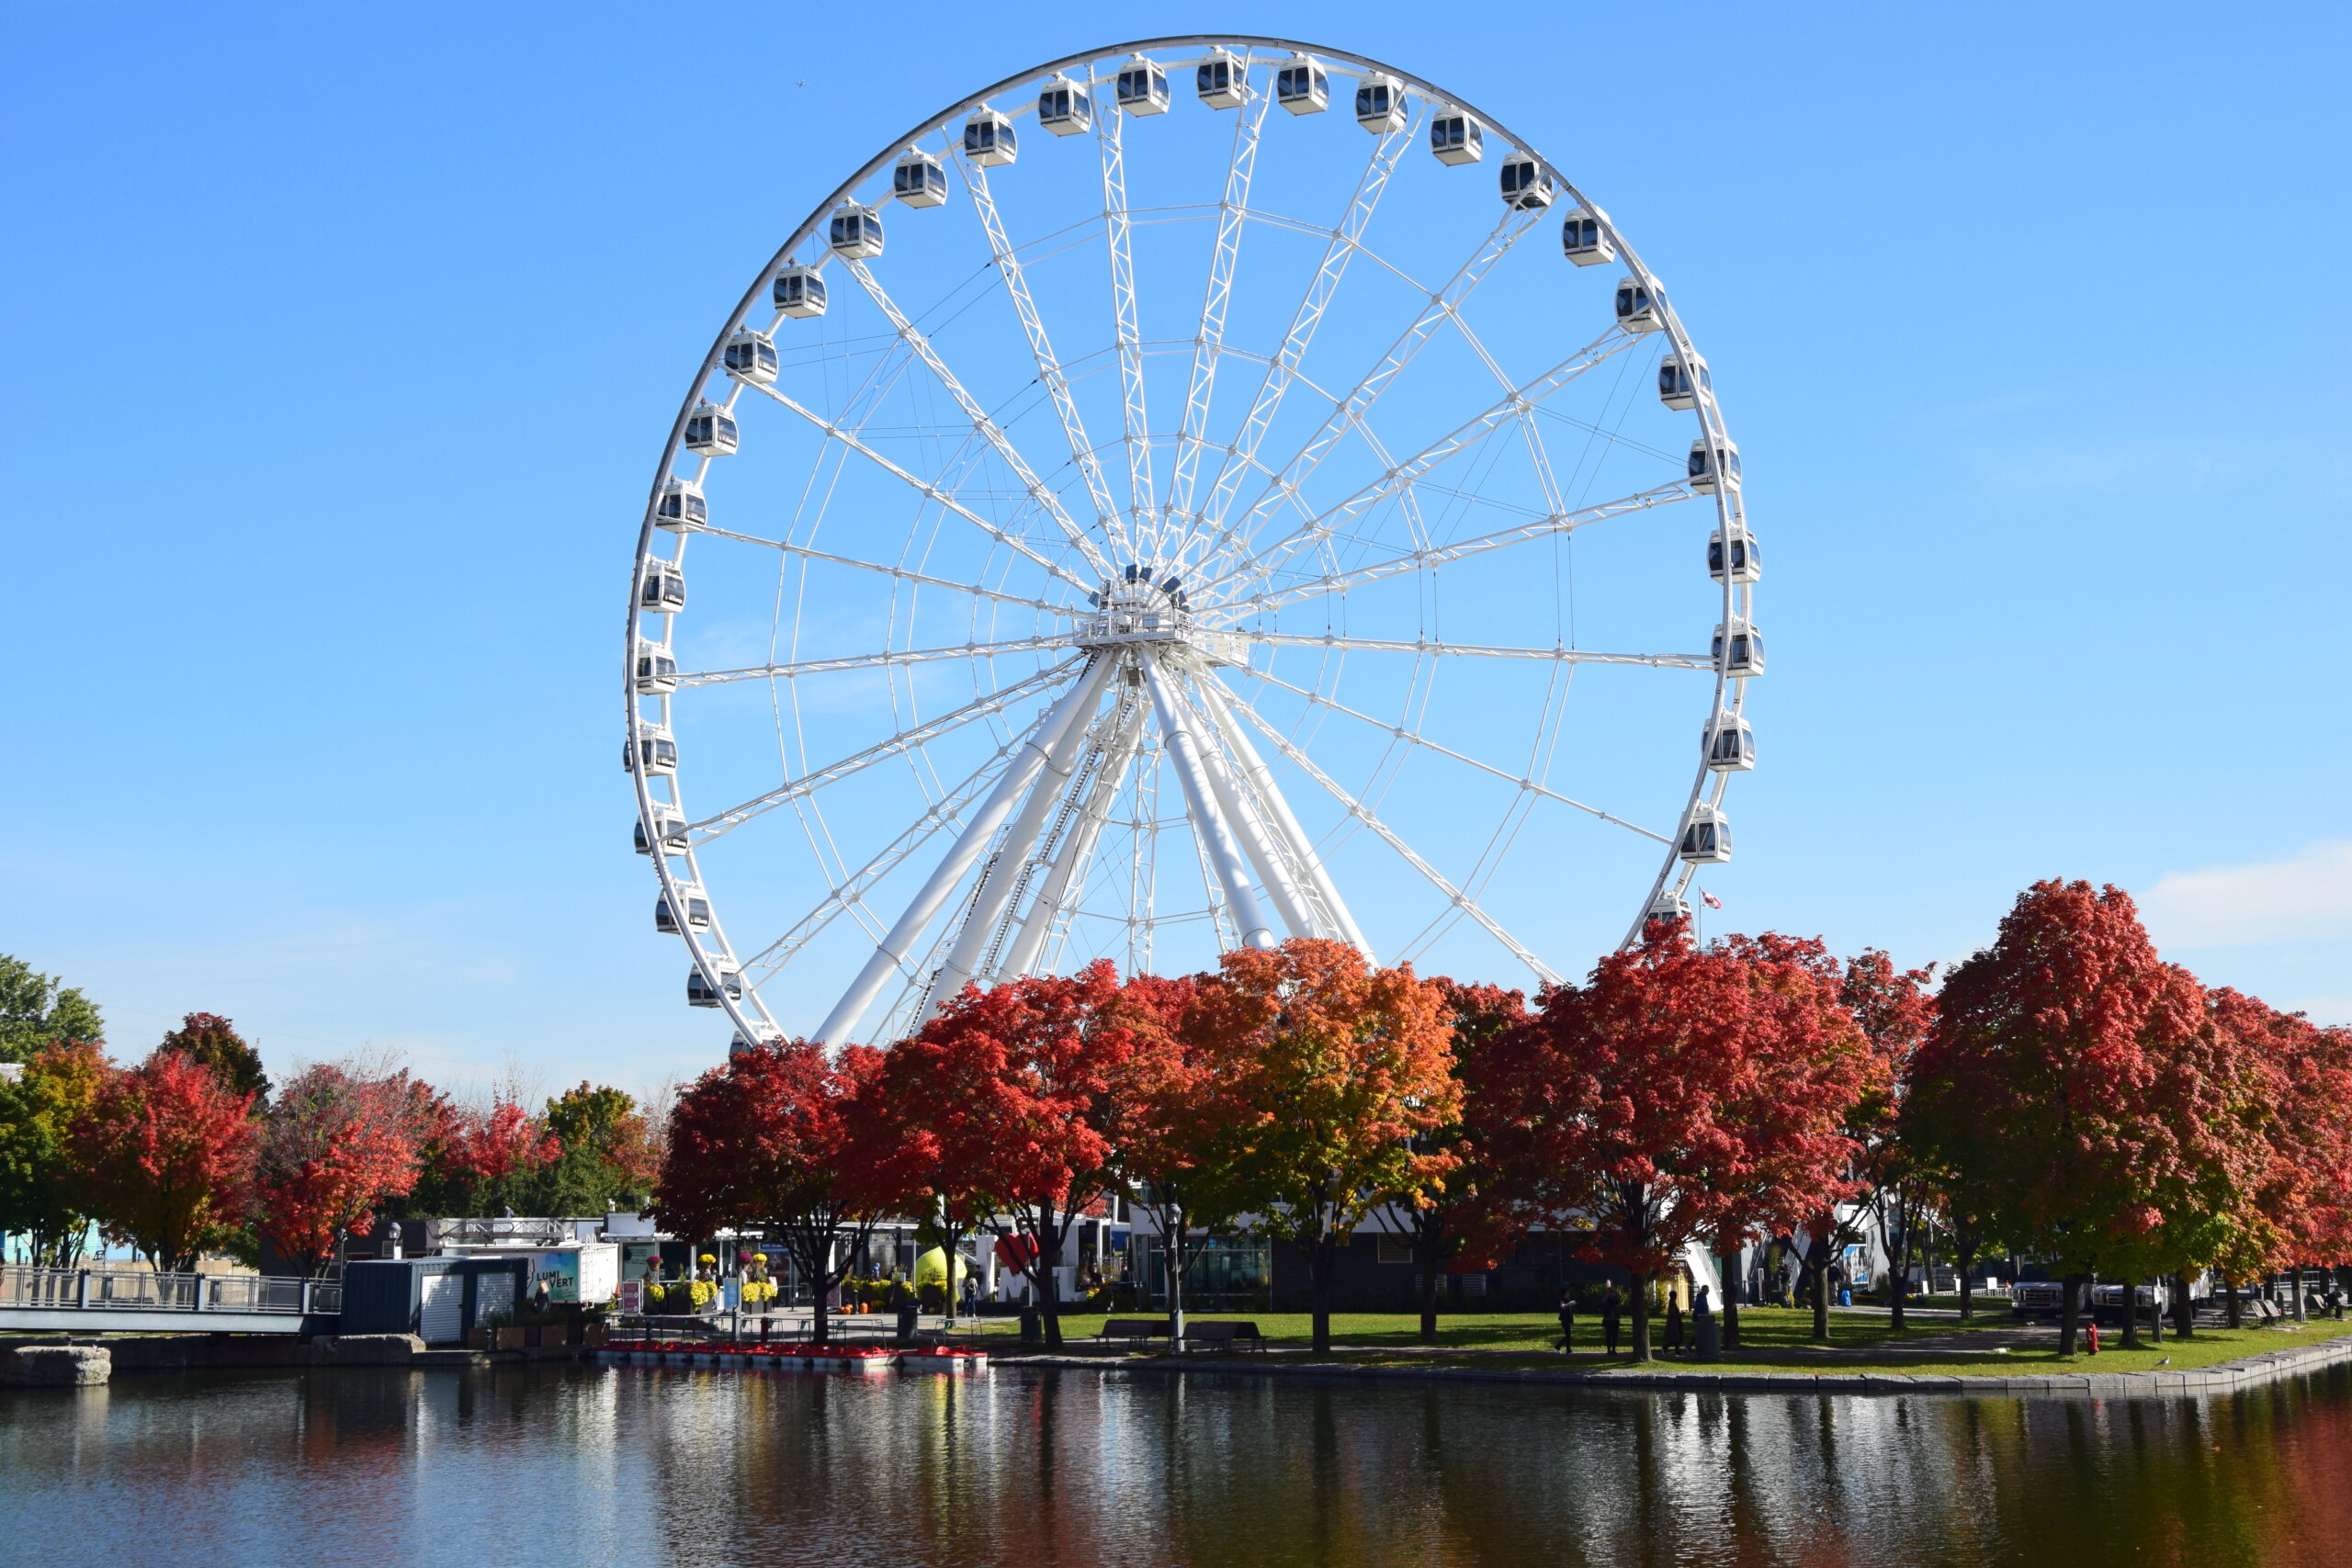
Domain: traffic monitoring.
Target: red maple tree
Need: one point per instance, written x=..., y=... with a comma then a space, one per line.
x=333, y=1146
x=164, y=1154
x=1892, y=1008
x=2290, y=1191
x=770, y=1140
x=1470, y=1213
x=504, y=1141
x=1809, y=1057
x=1170, y=1122
x=1684, y=1095
x=2045, y=1082
x=1017, y=1090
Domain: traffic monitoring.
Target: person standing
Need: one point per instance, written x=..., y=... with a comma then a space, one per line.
x=1568, y=1319
x=1612, y=1312
x=1673, y=1323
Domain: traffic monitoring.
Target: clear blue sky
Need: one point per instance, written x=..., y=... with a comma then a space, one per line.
x=340, y=347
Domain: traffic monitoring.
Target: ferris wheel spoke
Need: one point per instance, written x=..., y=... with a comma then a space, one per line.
x=908, y=740
x=857, y=443
x=1442, y=305
x=1477, y=651
x=1414, y=737
x=904, y=574
x=849, y=892
x=1345, y=240
x=1118, y=242
x=1439, y=555
x=1355, y=247
x=1388, y=836
x=1402, y=474
x=869, y=661
x=1210, y=338
x=1049, y=369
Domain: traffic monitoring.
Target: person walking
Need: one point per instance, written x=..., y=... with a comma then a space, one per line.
x=1568, y=1319
x=1612, y=1312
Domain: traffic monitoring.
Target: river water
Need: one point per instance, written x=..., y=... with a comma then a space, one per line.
x=655, y=1468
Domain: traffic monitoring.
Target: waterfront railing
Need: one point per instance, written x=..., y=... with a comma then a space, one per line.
x=143, y=1290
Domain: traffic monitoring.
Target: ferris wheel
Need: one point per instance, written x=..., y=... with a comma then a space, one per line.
x=1183, y=496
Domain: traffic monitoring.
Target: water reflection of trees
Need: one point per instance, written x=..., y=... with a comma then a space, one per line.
x=711, y=1467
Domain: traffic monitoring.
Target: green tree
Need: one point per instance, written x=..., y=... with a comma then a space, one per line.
x=211, y=1040
x=37, y=1181
x=35, y=1012
x=607, y=1155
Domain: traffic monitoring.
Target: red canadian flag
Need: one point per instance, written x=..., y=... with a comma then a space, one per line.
x=1710, y=899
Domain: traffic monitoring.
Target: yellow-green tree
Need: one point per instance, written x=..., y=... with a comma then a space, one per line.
x=36, y=1185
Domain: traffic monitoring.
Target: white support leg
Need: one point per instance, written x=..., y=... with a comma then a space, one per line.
x=1273, y=870
x=1002, y=877
x=1254, y=768
x=1077, y=849
x=1225, y=859
x=1018, y=773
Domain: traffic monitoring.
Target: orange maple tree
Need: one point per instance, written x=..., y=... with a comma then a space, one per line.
x=1336, y=1069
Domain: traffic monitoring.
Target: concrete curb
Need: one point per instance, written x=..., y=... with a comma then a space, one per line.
x=2223, y=1377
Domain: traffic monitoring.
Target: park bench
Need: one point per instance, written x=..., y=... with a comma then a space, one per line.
x=1223, y=1335
x=1134, y=1330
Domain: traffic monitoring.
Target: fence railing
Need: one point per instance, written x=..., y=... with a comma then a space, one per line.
x=143, y=1290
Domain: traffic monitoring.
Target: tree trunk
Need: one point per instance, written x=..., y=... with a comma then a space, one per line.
x=2184, y=1311
x=2070, y=1306
x=2296, y=1279
x=2235, y=1309
x=1173, y=1246
x=2130, y=1314
x=1728, y=1270
x=1428, y=1260
x=1641, y=1317
x=1816, y=1268
x=1042, y=1267
x=1319, y=1258
x=1965, y=1250
x=1898, y=1287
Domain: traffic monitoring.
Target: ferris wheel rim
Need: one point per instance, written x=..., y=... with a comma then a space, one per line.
x=1709, y=785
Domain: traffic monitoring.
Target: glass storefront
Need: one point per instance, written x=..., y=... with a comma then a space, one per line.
x=1226, y=1276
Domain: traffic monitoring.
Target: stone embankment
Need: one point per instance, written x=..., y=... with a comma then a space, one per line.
x=2224, y=1376
x=55, y=1364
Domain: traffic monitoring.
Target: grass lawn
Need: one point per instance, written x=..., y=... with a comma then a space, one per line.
x=2207, y=1347
x=1531, y=1340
